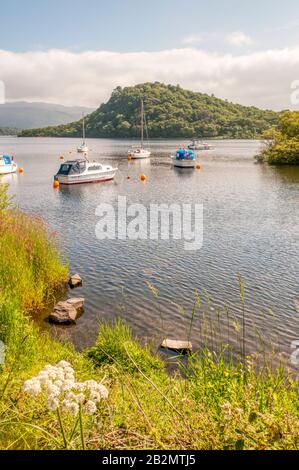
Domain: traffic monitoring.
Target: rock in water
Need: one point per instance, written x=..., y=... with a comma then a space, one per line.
x=75, y=281
x=180, y=347
x=66, y=312
x=76, y=302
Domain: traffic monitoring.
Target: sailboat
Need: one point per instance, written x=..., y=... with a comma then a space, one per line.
x=137, y=152
x=83, y=147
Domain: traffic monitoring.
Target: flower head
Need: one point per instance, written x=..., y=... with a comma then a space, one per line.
x=89, y=408
x=32, y=387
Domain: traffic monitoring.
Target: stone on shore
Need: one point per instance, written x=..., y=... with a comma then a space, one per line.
x=178, y=346
x=75, y=281
x=66, y=312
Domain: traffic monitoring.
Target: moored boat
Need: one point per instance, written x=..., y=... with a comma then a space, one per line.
x=138, y=152
x=199, y=145
x=83, y=148
x=184, y=159
x=83, y=171
x=7, y=165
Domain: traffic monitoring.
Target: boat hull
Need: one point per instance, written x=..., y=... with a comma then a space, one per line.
x=183, y=162
x=200, y=147
x=139, y=155
x=85, y=178
x=8, y=169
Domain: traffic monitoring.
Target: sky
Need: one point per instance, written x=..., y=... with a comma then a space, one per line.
x=75, y=52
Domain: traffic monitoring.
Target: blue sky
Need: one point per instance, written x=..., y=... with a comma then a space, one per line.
x=76, y=52
x=144, y=25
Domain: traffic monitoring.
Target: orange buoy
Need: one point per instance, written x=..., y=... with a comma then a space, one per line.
x=129, y=157
x=55, y=184
x=61, y=157
x=198, y=167
x=142, y=177
x=21, y=170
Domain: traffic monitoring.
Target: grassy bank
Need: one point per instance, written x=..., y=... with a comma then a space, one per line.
x=210, y=402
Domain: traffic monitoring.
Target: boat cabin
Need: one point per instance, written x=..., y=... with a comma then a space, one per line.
x=72, y=167
x=6, y=160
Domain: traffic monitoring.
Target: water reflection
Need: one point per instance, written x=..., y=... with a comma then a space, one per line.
x=251, y=226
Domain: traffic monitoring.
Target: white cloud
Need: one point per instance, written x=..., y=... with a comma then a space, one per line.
x=262, y=78
x=238, y=38
x=193, y=39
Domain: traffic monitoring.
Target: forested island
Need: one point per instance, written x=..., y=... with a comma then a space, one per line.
x=171, y=112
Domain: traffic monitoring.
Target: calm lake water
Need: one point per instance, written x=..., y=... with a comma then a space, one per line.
x=251, y=227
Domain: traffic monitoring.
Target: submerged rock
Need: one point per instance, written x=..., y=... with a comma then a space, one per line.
x=178, y=346
x=75, y=281
x=66, y=312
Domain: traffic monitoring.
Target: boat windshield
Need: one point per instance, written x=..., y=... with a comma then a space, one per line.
x=70, y=168
x=5, y=159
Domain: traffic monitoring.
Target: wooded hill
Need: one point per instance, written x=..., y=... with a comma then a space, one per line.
x=171, y=112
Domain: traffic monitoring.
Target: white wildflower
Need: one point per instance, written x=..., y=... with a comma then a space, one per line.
x=52, y=374
x=70, y=396
x=95, y=396
x=52, y=389
x=47, y=368
x=43, y=377
x=32, y=387
x=80, y=398
x=91, y=384
x=102, y=390
x=63, y=364
x=53, y=403
x=80, y=386
x=58, y=383
x=70, y=407
x=60, y=374
x=89, y=408
x=67, y=385
x=69, y=376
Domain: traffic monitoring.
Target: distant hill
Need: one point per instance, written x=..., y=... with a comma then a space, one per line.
x=171, y=112
x=8, y=131
x=23, y=115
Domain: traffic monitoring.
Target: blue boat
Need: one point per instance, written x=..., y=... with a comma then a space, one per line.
x=184, y=159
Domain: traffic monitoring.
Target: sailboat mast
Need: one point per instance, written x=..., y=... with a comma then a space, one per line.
x=142, y=124
x=83, y=130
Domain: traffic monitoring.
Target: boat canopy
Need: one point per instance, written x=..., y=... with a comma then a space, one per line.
x=183, y=154
x=72, y=167
x=6, y=159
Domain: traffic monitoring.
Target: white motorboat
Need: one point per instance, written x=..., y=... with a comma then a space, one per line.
x=83, y=171
x=7, y=165
x=184, y=159
x=138, y=152
x=199, y=145
x=83, y=147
